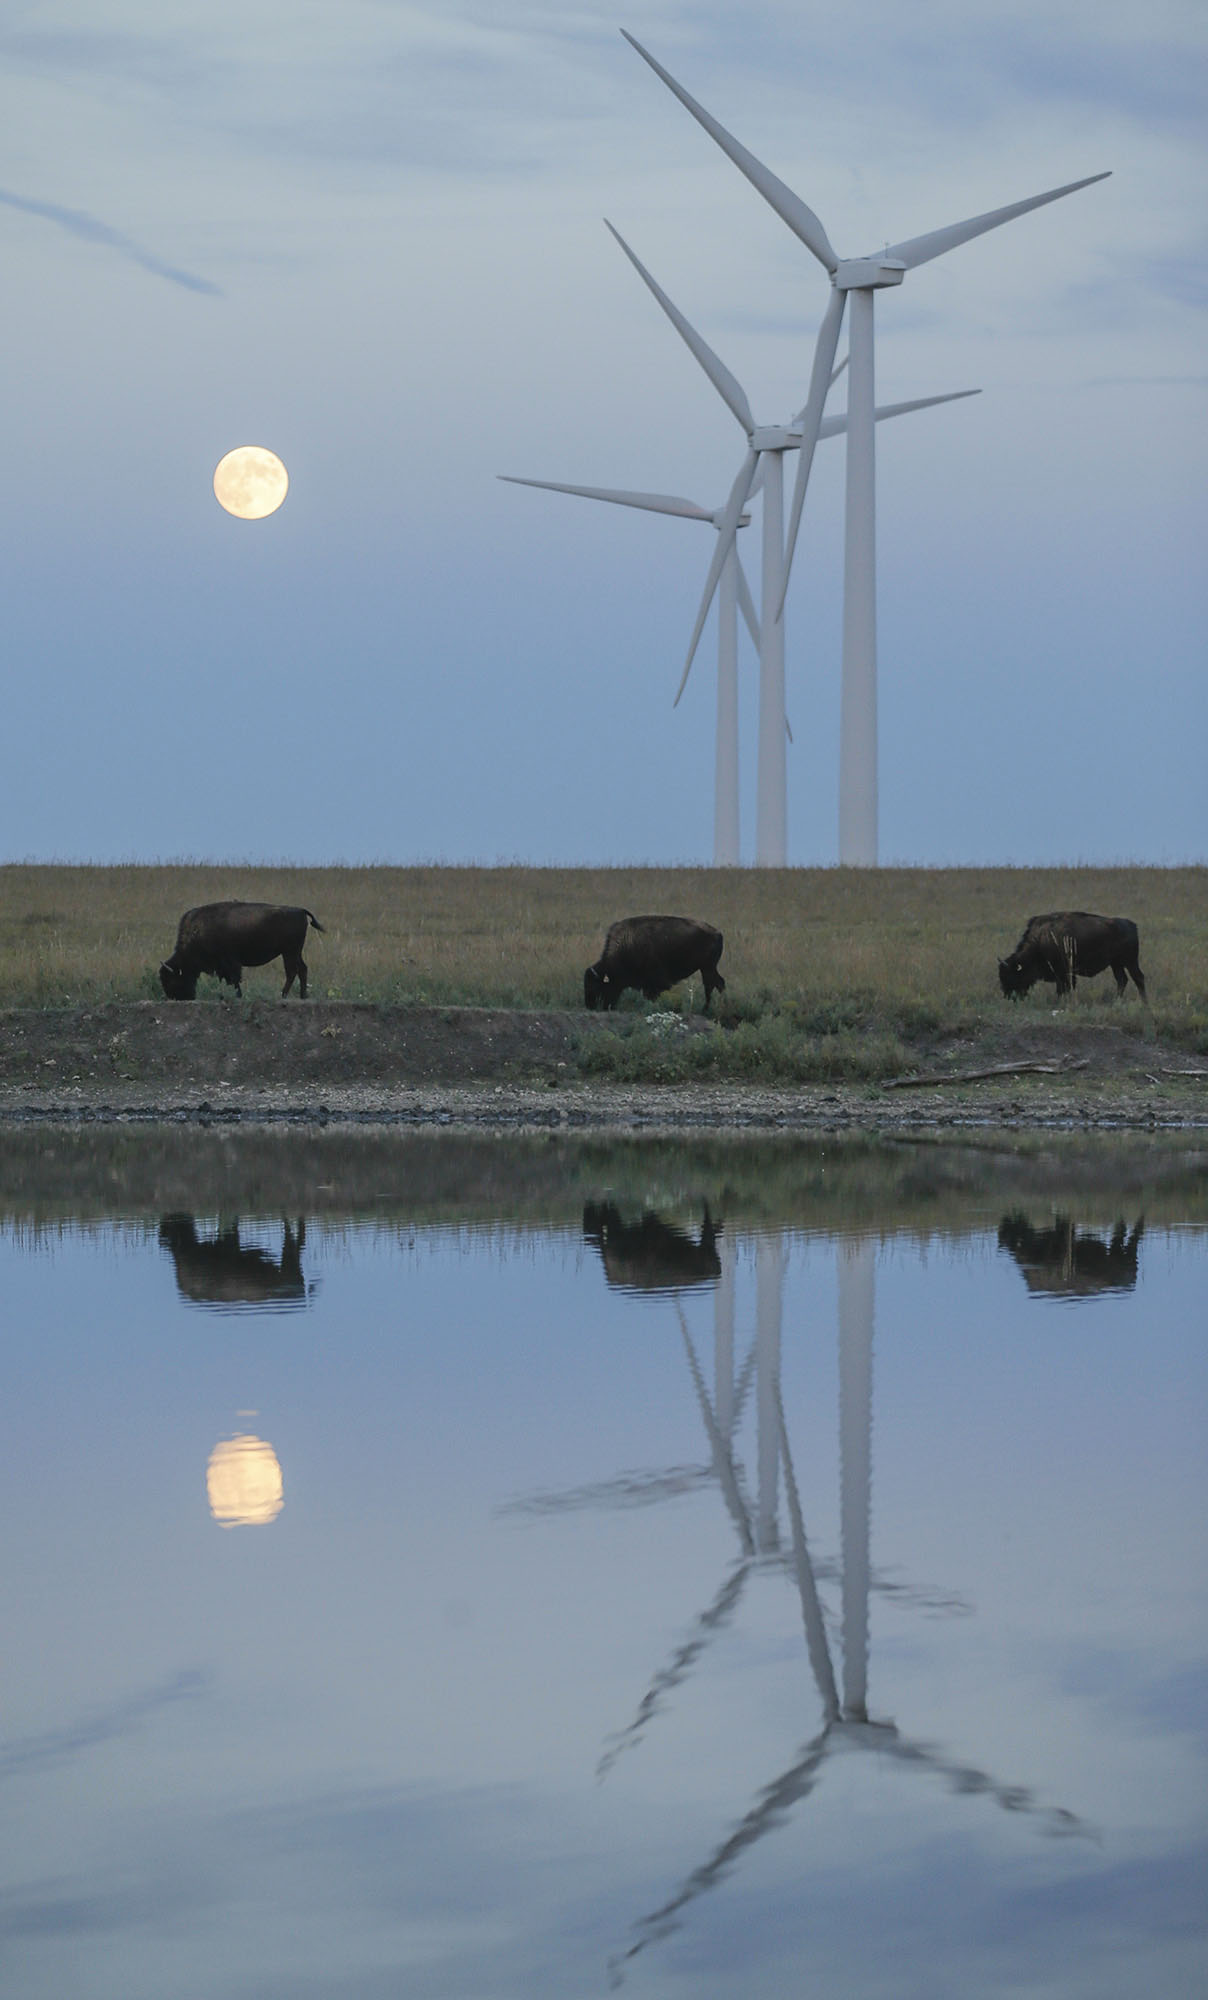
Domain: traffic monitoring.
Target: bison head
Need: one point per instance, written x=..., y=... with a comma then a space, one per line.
x=177, y=984
x=1013, y=976
x=595, y=988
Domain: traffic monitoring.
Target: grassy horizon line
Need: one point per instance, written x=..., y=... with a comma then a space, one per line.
x=850, y=961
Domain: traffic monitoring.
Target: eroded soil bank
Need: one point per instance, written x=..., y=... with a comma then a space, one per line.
x=271, y=1061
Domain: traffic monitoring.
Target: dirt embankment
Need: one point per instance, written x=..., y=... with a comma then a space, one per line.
x=333, y=1060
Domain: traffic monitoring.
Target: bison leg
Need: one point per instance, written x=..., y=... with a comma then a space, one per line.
x=712, y=979
x=295, y=968
x=1138, y=977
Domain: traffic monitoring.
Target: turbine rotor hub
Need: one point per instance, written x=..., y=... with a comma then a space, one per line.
x=866, y=274
x=774, y=437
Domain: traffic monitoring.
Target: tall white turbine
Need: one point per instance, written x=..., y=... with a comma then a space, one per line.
x=861, y=277
x=766, y=446
x=735, y=595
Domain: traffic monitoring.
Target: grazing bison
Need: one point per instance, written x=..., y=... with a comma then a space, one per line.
x=1064, y=1261
x=221, y=938
x=653, y=953
x=651, y=1255
x=1067, y=943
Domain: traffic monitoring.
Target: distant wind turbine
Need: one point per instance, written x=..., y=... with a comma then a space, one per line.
x=735, y=595
x=861, y=276
x=766, y=446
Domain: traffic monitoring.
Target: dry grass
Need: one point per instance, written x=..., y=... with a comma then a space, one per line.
x=835, y=950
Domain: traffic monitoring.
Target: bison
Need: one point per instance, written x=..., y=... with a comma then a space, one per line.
x=653, y=953
x=221, y=938
x=1066, y=943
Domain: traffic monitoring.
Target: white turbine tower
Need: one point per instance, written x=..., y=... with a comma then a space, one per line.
x=735, y=595
x=766, y=446
x=861, y=276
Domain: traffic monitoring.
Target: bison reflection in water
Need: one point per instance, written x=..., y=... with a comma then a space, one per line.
x=651, y=1255
x=224, y=1272
x=1061, y=1260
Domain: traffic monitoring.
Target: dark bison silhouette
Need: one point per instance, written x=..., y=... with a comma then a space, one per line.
x=653, y=953
x=1067, y=944
x=651, y=1255
x=221, y=938
x=224, y=1272
x=1061, y=1260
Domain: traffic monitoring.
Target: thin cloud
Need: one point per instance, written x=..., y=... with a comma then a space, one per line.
x=58, y=1746
x=78, y=222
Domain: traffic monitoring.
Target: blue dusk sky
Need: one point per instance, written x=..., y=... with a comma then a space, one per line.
x=370, y=237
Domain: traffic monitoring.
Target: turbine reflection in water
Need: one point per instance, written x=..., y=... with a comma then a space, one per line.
x=845, y=1720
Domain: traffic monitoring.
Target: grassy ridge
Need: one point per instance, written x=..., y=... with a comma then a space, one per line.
x=856, y=963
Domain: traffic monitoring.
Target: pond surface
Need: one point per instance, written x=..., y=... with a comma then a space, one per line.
x=461, y=1568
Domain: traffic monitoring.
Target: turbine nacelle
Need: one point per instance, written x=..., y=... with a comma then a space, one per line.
x=861, y=274
x=775, y=437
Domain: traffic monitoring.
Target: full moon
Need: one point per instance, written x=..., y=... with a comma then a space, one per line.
x=250, y=482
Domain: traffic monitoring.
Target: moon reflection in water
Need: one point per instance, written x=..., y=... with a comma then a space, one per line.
x=243, y=1482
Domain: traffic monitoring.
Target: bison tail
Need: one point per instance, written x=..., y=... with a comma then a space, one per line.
x=314, y=921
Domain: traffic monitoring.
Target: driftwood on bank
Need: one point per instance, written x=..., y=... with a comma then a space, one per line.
x=980, y=1075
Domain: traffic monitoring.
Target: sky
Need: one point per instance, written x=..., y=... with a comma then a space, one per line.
x=370, y=237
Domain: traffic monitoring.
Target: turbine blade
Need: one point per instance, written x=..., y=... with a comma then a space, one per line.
x=921, y=249
x=835, y=374
x=726, y=534
x=746, y=603
x=728, y=387
x=655, y=503
x=811, y=427
x=835, y=426
x=788, y=206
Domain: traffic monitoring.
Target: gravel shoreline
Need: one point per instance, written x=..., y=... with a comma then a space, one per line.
x=1009, y=1104
x=276, y=1063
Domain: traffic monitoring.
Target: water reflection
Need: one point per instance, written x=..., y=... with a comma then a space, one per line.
x=846, y=1724
x=224, y=1272
x=1060, y=1260
x=243, y=1482
x=651, y=1255
x=435, y=1748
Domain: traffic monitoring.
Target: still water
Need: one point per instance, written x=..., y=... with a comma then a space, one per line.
x=485, y=1568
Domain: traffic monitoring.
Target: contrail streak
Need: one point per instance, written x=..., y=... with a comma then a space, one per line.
x=78, y=222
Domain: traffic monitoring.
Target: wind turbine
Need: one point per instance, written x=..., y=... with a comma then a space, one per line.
x=735, y=596
x=766, y=446
x=861, y=277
